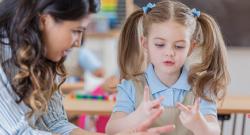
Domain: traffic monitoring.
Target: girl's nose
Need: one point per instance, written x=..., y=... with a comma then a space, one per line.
x=170, y=52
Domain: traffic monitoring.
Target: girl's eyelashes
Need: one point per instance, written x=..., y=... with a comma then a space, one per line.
x=176, y=46
x=159, y=45
x=179, y=46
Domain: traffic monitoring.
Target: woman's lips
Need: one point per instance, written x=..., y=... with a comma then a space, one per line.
x=65, y=53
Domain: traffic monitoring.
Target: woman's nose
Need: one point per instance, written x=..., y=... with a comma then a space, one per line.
x=77, y=42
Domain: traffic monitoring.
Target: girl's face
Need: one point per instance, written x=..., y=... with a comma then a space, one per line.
x=168, y=45
x=60, y=37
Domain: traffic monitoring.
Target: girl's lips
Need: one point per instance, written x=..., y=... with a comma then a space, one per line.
x=169, y=63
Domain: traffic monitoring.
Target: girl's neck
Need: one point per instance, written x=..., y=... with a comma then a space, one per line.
x=168, y=79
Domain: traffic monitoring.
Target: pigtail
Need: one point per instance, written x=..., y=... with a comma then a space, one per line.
x=131, y=57
x=210, y=77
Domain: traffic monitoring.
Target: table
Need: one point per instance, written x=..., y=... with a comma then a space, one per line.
x=234, y=105
x=93, y=107
x=230, y=105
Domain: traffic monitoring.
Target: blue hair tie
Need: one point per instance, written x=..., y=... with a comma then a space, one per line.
x=148, y=7
x=196, y=12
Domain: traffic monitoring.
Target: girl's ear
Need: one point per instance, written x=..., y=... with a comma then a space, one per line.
x=192, y=47
x=144, y=42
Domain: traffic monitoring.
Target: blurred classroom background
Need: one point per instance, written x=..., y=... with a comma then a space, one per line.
x=102, y=37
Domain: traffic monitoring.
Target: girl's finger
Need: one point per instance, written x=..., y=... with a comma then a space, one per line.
x=182, y=118
x=156, y=103
x=197, y=104
x=162, y=129
x=153, y=111
x=146, y=93
x=144, y=126
x=189, y=107
x=182, y=107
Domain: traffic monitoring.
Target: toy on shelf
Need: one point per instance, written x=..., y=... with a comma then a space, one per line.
x=94, y=97
x=97, y=94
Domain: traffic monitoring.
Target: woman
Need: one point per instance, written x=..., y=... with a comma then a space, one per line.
x=35, y=37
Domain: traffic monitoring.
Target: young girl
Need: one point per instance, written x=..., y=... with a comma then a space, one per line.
x=35, y=37
x=169, y=32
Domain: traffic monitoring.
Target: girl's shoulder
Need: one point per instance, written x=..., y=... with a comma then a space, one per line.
x=126, y=84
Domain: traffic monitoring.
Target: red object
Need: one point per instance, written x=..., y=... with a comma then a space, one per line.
x=101, y=120
x=81, y=121
x=101, y=123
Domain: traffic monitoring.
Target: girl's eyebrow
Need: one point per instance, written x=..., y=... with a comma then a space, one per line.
x=160, y=38
x=181, y=41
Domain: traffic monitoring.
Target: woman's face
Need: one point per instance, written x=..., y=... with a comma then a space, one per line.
x=59, y=37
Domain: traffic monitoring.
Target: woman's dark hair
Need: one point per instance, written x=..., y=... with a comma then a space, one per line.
x=22, y=55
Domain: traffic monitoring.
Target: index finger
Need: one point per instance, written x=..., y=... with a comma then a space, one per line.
x=162, y=129
x=146, y=93
x=197, y=103
x=144, y=126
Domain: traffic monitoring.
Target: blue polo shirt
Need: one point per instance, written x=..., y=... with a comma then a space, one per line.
x=126, y=93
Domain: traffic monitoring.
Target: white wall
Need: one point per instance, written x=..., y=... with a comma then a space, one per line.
x=239, y=68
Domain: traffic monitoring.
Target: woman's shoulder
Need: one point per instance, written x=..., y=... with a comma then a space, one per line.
x=4, y=83
x=5, y=86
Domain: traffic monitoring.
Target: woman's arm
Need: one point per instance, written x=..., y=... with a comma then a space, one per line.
x=56, y=118
x=12, y=115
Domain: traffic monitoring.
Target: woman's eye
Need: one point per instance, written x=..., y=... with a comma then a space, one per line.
x=77, y=31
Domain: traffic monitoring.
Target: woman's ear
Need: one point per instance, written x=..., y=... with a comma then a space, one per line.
x=192, y=47
x=44, y=20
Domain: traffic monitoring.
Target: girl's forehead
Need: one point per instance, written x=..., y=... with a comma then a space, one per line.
x=169, y=29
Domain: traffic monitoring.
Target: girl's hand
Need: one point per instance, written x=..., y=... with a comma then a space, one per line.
x=190, y=116
x=143, y=128
x=147, y=107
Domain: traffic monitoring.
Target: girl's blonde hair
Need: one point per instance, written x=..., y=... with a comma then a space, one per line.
x=209, y=78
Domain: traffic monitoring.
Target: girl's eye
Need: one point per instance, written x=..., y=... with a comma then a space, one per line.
x=179, y=46
x=159, y=45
